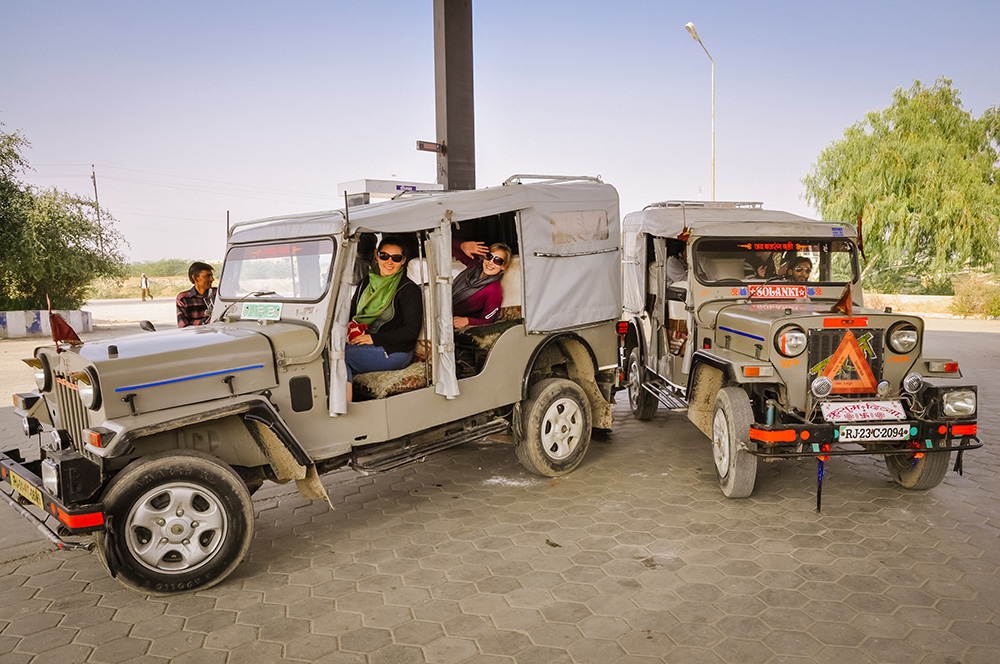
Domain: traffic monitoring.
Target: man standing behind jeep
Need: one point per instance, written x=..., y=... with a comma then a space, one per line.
x=194, y=307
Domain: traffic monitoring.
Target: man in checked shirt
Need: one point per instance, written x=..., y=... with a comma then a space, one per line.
x=194, y=307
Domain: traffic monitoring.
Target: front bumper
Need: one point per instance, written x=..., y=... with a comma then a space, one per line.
x=22, y=486
x=792, y=441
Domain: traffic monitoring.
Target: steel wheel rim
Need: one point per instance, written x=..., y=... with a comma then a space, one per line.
x=720, y=443
x=634, y=384
x=562, y=429
x=176, y=527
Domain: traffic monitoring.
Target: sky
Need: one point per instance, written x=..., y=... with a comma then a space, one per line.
x=188, y=111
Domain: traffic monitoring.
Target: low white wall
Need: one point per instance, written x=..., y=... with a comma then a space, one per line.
x=36, y=323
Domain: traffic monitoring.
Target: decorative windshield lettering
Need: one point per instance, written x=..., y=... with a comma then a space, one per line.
x=776, y=291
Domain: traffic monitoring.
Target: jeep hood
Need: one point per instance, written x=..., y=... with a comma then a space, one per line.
x=746, y=326
x=154, y=371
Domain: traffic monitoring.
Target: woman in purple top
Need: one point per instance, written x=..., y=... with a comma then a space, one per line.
x=476, y=293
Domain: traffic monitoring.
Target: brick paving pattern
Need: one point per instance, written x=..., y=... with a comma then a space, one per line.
x=636, y=557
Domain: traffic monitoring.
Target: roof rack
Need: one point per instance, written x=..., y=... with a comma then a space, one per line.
x=725, y=205
x=516, y=179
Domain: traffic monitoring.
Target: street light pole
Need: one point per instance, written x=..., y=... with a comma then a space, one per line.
x=694, y=35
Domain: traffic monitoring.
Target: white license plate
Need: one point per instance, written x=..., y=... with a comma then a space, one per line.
x=875, y=432
x=22, y=487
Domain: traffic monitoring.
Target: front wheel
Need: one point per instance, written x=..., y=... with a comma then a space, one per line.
x=735, y=467
x=176, y=522
x=555, y=428
x=642, y=403
x=921, y=473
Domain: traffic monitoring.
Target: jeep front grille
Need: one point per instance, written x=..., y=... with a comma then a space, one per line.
x=851, y=358
x=70, y=413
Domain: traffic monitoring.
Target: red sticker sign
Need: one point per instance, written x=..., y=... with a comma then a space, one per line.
x=776, y=290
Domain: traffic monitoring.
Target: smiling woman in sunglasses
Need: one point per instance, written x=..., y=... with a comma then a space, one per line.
x=386, y=313
x=476, y=293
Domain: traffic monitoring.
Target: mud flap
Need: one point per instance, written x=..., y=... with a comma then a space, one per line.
x=310, y=486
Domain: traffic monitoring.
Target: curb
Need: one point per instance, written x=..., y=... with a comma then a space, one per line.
x=35, y=323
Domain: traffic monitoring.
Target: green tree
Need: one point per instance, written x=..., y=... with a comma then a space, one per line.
x=51, y=243
x=923, y=180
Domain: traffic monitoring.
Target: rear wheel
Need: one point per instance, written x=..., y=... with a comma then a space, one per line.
x=555, y=428
x=912, y=473
x=176, y=522
x=642, y=403
x=735, y=467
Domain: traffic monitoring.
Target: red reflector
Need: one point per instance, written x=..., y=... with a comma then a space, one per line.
x=943, y=429
x=951, y=367
x=805, y=435
x=622, y=327
x=964, y=430
x=845, y=322
x=786, y=436
x=82, y=520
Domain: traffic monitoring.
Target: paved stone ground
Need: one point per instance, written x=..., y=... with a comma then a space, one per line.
x=636, y=557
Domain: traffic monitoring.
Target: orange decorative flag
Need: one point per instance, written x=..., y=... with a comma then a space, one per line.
x=845, y=301
x=61, y=330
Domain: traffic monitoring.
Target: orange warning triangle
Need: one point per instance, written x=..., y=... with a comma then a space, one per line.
x=850, y=350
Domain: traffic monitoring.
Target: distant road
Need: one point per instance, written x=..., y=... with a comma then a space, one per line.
x=160, y=312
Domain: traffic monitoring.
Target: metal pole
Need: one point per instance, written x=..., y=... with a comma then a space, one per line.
x=713, y=122
x=694, y=35
x=97, y=209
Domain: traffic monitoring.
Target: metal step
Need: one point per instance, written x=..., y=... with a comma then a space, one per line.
x=387, y=456
x=668, y=395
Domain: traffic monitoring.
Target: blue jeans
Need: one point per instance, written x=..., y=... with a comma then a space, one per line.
x=363, y=358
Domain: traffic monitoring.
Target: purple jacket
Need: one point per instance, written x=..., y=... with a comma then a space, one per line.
x=484, y=305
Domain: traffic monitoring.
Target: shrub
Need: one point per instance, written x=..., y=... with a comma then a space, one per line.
x=976, y=295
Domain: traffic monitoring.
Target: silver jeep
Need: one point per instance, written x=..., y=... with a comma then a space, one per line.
x=156, y=441
x=753, y=321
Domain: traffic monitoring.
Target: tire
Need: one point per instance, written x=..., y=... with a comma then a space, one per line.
x=735, y=467
x=642, y=403
x=918, y=474
x=555, y=428
x=176, y=522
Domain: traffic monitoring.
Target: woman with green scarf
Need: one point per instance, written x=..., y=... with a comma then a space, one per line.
x=386, y=314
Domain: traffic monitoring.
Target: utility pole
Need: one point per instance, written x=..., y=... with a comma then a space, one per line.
x=456, y=131
x=97, y=208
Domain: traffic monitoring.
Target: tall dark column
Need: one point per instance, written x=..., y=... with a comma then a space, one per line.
x=456, y=129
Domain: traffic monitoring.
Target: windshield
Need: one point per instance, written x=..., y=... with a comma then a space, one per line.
x=292, y=270
x=743, y=260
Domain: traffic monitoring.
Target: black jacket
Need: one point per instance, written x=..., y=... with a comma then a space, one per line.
x=399, y=334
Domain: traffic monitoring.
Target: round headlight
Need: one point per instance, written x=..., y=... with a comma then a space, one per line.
x=913, y=382
x=903, y=337
x=43, y=374
x=821, y=386
x=88, y=388
x=791, y=340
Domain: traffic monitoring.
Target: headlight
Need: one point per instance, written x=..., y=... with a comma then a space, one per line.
x=88, y=388
x=903, y=337
x=959, y=403
x=821, y=387
x=791, y=340
x=913, y=382
x=43, y=372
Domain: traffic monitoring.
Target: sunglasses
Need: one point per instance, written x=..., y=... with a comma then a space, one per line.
x=497, y=260
x=395, y=258
x=803, y=269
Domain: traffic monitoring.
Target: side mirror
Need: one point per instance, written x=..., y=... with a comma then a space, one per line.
x=146, y=325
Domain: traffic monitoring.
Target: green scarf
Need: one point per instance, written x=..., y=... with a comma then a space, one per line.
x=377, y=295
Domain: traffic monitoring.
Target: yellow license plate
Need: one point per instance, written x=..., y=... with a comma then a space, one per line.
x=22, y=487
